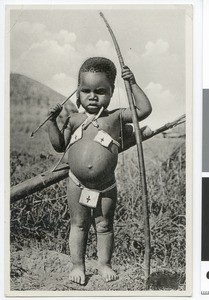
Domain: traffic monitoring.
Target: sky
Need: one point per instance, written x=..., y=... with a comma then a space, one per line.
x=50, y=43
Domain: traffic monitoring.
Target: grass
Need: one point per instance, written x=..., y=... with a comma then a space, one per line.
x=43, y=218
x=42, y=221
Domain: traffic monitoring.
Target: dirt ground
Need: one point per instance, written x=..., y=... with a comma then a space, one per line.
x=49, y=271
x=45, y=270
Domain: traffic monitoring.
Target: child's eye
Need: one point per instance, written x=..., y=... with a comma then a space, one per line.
x=100, y=91
x=86, y=91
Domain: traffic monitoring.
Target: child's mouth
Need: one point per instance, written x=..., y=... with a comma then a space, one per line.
x=93, y=105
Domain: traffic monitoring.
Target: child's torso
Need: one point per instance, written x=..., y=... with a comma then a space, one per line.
x=93, y=156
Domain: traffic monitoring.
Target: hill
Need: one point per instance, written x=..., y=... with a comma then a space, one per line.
x=29, y=104
x=27, y=91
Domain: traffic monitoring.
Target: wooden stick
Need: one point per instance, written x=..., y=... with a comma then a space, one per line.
x=130, y=139
x=38, y=183
x=49, y=116
x=140, y=157
x=48, y=178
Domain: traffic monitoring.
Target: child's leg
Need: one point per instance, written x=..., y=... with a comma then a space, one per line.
x=80, y=217
x=104, y=214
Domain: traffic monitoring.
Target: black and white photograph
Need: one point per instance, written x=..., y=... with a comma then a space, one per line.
x=99, y=102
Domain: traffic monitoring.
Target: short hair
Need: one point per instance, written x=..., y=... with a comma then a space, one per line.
x=99, y=64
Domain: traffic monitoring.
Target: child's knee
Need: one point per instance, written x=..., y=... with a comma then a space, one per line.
x=80, y=224
x=104, y=226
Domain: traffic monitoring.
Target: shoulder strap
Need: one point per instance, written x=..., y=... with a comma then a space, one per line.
x=92, y=118
x=86, y=123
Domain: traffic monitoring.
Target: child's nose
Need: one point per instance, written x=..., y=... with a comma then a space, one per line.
x=93, y=96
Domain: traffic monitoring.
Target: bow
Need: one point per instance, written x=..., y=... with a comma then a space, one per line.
x=139, y=153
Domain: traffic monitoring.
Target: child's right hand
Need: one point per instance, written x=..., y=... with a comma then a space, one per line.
x=54, y=112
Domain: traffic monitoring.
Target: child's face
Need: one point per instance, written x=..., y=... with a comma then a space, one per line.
x=95, y=91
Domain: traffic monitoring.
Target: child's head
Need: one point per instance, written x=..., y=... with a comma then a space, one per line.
x=99, y=64
x=95, y=67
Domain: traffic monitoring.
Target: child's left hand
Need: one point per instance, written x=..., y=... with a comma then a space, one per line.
x=128, y=75
x=146, y=131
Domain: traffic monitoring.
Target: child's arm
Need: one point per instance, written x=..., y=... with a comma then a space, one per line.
x=56, y=136
x=129, y=137
x=143, y=106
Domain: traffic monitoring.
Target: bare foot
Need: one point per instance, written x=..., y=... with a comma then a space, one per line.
x=77, y=274
x=107, y=273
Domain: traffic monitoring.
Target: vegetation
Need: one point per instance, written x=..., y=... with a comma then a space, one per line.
x=42, y=220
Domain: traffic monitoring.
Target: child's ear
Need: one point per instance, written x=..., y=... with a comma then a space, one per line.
x=78, y=102
x=113, y=88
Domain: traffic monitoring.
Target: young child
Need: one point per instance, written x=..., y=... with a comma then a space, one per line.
x=92, y=140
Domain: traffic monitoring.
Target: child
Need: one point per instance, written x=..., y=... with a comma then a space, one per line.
x=92, y=140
